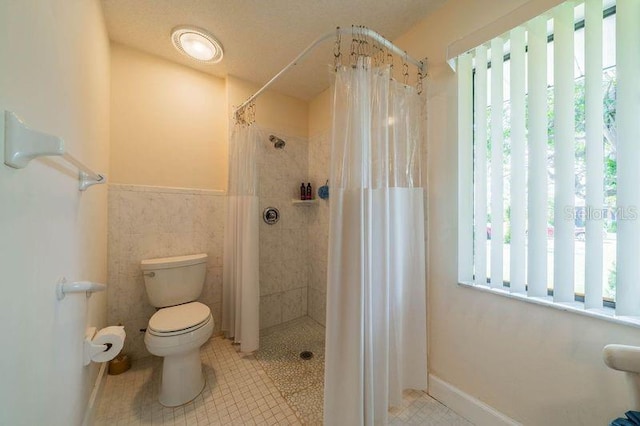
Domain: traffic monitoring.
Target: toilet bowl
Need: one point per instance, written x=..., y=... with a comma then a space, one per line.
x=177, y=333
x=180, y=327
x=626, y=358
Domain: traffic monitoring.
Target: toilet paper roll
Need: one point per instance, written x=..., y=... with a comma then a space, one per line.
x=113, y=336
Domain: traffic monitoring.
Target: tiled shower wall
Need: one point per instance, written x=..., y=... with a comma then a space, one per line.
x=284, y=253
x=149, y=222
x=319, y=156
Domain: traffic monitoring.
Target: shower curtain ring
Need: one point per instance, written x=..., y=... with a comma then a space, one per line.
x=337, y=55
x=405, y=69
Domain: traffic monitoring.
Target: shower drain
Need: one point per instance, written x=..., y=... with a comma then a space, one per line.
x=306, y=355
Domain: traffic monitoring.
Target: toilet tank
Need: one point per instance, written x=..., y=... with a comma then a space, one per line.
x=174, y=280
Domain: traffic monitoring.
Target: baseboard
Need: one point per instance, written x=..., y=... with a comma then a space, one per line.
x=466, y=405
x=92, y=406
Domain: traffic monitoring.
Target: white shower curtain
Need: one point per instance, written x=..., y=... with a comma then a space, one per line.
x=240, y=289
x=376, y=336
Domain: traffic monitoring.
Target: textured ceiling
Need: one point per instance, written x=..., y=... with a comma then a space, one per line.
x=260, y=37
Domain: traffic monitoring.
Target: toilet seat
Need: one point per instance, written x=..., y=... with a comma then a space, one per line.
x=180, y=319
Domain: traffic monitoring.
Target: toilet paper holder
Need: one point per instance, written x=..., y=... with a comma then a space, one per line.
x=63, y=287
x=91, y=349
x=103, y=345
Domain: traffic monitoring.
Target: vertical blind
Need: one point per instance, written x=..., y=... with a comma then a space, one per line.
x=628, y=134
x=549, y=123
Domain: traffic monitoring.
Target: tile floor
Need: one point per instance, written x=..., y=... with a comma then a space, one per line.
x=275, y=387
x=237, y=392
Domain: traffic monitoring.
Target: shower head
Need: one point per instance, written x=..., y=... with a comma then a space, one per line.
x=277, y=142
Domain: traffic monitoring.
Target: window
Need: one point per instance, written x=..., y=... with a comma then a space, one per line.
x=549, y=157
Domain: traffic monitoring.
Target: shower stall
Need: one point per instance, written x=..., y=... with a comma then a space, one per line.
x=363, y=247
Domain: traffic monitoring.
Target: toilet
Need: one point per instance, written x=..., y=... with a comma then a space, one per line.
x=180, y=326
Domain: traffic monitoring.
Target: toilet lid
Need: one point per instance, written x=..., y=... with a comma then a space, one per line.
x=179, y=317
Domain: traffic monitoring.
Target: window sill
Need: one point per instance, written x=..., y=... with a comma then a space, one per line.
x=606, y=314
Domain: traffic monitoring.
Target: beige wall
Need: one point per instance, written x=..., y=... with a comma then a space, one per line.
x=538, y=365
x=168, y=123
x=274, y=111
x=54, y=57
x=320, y=113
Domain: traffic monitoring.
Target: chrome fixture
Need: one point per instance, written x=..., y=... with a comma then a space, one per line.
x=271, y=215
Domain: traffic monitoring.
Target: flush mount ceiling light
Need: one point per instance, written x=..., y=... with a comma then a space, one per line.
x=197, y=44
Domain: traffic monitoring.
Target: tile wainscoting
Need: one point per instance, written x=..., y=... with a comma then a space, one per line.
x=148, y=222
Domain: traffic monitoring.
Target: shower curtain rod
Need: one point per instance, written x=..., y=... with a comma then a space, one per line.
x=362, y=31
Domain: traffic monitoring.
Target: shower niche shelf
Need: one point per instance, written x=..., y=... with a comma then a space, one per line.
x=304, y=202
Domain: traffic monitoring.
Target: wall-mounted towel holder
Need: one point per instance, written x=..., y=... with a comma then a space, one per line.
x=22, y=144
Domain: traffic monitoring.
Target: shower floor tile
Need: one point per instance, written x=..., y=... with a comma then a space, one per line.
x=274, y=387
x=301, y=382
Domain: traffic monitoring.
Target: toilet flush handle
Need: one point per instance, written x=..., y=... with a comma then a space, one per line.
x=149, y=274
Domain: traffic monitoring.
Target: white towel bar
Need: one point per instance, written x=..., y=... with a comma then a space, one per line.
x=22, y=144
